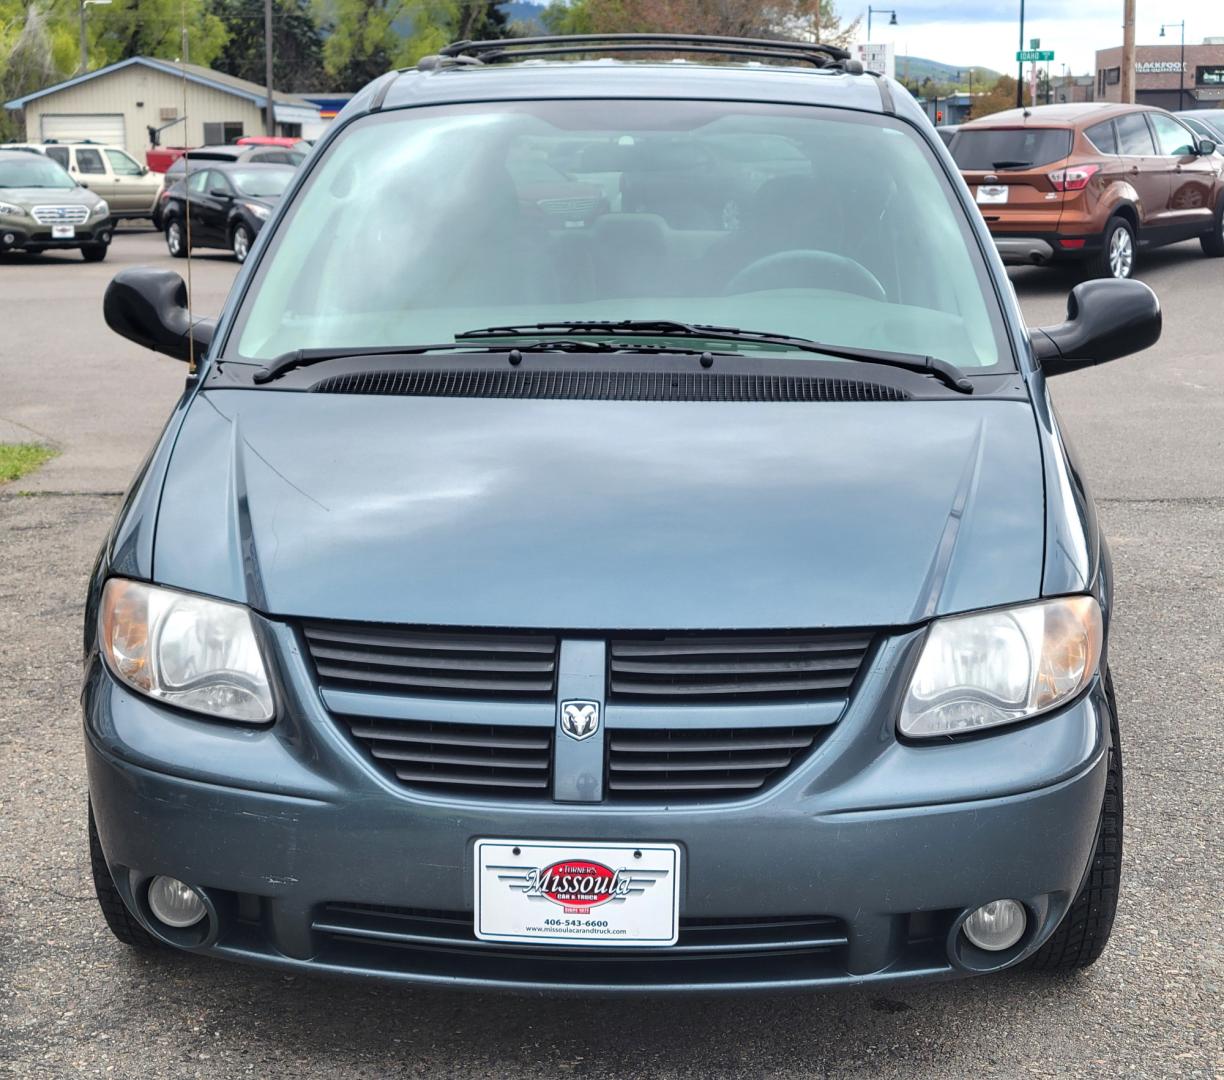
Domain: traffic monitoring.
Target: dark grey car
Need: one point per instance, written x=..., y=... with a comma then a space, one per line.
x=530, y=595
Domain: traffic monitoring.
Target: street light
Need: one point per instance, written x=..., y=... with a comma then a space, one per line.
x=1181, y=75
x=880, y=11
x=84, y=39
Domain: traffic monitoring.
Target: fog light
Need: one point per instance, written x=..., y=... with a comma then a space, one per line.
x=996, y=926
x=174, y=902
x=9, y=239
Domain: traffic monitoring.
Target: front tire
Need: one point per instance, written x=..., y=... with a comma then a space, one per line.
x=1116, y=259
x=114, y=910
x=240, y=242
x=1082, y=935
x=176, y=239
x=1213, y=242
x=94, y=252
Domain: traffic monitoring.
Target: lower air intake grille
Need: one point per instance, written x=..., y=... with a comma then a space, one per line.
x=390, y=660
x=465, y=759
x=609, y=386
x=668, y=764
x=681, y=669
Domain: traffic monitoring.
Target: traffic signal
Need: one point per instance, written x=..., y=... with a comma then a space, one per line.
x=939, y=116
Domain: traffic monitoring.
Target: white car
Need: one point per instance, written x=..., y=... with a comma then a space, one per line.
x=129, y=187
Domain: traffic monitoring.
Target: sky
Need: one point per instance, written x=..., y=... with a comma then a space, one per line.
x=986, y=32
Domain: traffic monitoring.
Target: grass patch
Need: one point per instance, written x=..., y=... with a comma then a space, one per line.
x=17, y=459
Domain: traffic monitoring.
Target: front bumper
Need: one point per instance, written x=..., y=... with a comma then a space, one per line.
x=29, y=236
x=857, y=867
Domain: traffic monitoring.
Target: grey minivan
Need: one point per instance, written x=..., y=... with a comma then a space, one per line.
x=554, y=588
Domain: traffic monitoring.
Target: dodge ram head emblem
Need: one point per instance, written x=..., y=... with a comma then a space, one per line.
x=580, y=719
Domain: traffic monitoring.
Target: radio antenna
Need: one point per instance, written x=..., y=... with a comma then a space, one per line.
x=191, y=358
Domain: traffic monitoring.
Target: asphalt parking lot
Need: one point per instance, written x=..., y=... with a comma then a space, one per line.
x=1150, y=432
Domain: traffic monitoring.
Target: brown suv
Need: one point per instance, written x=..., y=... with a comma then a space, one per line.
x=1092, y=182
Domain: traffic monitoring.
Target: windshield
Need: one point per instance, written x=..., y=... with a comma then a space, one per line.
x=1014, y=148
x=33, y=171
x=813, y=223
x=265, y=182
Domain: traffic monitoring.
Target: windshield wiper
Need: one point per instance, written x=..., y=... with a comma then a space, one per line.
x=304, y=357
x=943, y=370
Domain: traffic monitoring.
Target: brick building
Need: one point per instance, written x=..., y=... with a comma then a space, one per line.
x=1159, y=78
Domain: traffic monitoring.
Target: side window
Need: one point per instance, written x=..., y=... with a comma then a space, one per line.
x=58, y=154
x=121, y=164
x=1134, y=136
x=197, y=183
x=1103, y=138
x=1172, y=139
x=89, y=161
x=218, y=181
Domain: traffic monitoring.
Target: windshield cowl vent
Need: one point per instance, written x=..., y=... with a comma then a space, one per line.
x=610, y=386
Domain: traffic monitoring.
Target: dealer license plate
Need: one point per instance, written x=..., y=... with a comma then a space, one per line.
x=63, y=232
x=992, y=194
x=579, y=894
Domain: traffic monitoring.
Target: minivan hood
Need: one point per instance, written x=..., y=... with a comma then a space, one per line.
x=603, y=514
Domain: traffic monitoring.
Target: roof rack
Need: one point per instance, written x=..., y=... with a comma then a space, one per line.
x=509, y=49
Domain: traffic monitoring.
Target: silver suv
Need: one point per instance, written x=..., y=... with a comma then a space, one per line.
x=42, y=208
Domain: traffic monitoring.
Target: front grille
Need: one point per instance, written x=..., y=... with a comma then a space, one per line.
x=61, y=215
x=577, y=206
x=699, y=938
x=462, y=759
x=609, y=386
x=391, y=660
x=670, y=764
x=716, y=667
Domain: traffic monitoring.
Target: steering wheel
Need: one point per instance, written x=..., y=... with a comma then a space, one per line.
x=800, y=269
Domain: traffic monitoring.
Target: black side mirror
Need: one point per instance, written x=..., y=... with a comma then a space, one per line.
x=149, y=307
x=219, y=193
x=1206, y=147
x=1105, y=320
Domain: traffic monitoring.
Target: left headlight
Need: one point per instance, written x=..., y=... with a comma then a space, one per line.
x=997, y=667
x=259, y=211
x=102, y=209
x=185, y=650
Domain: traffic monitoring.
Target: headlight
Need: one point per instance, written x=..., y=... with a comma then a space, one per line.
x=9, y=210
x=996, y=667
x=260, y=212
x=184, y=650
x=102, y=209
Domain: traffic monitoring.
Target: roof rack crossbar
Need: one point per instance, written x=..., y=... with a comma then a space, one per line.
x=512, y=48
x=713, y=50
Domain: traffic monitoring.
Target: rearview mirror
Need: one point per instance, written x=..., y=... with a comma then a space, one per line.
x=1105, y=320
x=149, y=307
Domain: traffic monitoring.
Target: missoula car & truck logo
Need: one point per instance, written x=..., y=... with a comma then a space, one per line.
x=578, y=884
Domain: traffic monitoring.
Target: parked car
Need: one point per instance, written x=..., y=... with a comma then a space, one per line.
x=1206, y=123
x=253, y=155
x=946, y=132
x=525, y=601
x=1094, y=183
x=279, y=142
x=43, y=209
x=128, y=187
x=222, y=206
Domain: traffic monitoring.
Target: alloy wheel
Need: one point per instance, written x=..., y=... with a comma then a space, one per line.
x=1121, y=253
x=242, y=243
x=174, y=238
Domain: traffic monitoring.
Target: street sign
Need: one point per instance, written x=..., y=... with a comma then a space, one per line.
x=1035, y=43
x=1033, y=56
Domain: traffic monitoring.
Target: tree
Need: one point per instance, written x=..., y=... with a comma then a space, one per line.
x=1001, y=96
x=127, y=28
x=811, y=20
x=29, y=63
x=297, y=44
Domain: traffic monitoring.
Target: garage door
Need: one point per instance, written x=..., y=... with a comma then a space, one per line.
x=75, y=127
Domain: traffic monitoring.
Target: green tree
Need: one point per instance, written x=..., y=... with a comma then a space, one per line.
x=127, y=28
x=297, y=43
x=28, y=61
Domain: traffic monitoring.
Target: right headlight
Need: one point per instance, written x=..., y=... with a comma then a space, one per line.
x=9, y=210
x=185, y=650
x=997, y=667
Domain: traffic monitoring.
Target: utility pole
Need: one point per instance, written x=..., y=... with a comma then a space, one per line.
x=84, y=36
x=1128, y=52
x=269, y=120
x=1020, y=71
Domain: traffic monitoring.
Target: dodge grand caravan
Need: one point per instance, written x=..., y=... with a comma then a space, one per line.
x=613, y=598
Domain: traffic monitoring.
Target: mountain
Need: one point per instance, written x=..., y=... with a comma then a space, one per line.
x=917, y=68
